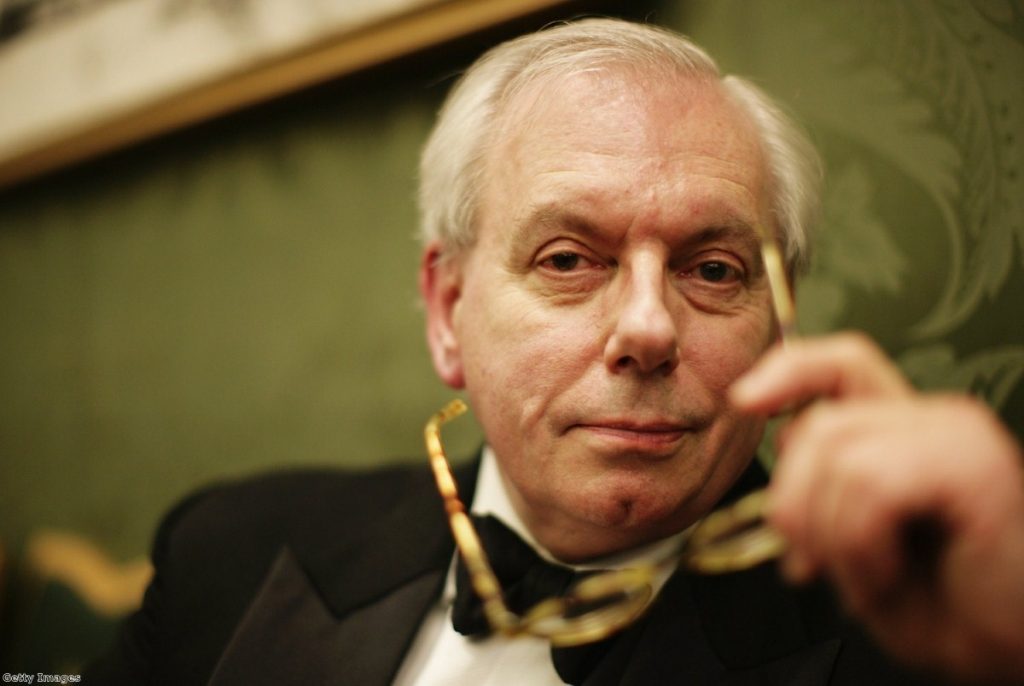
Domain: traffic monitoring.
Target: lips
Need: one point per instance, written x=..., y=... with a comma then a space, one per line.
x=653, y=436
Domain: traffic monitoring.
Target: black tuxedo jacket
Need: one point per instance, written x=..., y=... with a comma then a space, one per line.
x=323, y=577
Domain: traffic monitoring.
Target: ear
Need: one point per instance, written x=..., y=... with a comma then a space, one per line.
x=441, y=289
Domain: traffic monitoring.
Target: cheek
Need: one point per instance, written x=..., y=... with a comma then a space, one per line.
x=508, y=337
x=721, y=349
x=518, y=359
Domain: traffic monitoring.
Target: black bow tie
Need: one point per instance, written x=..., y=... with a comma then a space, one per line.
x=526, y=579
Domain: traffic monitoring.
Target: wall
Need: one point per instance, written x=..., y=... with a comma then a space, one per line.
x=242, y=295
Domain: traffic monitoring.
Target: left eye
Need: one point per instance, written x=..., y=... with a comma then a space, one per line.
x=716, y=272
x=564, y=261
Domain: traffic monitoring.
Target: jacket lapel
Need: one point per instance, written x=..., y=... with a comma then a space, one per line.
x=347, y=614
x=289, y=636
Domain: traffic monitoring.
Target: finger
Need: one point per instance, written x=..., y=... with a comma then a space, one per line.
x=824, y=476
x=795, y=487
x=847, y=365
x=871, y=495
x=859, y=533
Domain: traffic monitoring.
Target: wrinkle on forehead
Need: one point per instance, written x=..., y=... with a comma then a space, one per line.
x=634, y=115
x=645, y=95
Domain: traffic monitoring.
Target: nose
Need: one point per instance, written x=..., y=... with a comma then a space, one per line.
x=645, y=339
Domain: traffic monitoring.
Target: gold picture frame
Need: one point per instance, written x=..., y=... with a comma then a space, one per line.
x=47, y=123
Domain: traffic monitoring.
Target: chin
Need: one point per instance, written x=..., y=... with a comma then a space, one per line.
x=637, y=505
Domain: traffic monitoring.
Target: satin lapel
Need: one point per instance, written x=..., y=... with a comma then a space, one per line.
x=346, y=614
x=289, y=636
x=394, y=548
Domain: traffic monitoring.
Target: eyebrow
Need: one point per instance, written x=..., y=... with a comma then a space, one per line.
x=555, y=216
x=552, y=216
x=739, y=231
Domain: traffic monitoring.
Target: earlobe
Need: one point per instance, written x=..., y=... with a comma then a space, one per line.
x=440, y=282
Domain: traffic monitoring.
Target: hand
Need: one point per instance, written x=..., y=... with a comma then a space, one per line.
x=872, y=461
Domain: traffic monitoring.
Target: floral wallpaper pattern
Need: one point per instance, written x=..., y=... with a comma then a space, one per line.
x=918, y=107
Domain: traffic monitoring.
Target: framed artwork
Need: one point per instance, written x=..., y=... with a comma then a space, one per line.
x=82, y=77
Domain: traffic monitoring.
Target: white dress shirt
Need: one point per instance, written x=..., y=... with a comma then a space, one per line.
x=441, y=656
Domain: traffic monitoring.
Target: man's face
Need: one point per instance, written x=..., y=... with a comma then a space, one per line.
x=614, y=292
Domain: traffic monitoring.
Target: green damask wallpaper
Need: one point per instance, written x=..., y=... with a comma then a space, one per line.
x=242, y=295
x=919, y=110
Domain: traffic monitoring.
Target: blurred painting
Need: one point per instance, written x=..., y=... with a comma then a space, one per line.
x=70, y=67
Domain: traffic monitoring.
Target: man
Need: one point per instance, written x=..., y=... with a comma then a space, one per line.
x=592, y=197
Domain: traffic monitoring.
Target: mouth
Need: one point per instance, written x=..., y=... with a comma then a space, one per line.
x=636, y=437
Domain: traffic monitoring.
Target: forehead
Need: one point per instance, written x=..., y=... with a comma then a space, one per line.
x=648, y=111
x=655, y=139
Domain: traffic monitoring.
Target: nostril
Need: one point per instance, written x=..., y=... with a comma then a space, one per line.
x=628, y=363
x=669, y=365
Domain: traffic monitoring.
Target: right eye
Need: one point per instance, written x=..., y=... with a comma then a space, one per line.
x=563, y=261
x=567, y=267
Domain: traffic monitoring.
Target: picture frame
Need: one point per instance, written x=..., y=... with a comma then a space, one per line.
x=103, y=74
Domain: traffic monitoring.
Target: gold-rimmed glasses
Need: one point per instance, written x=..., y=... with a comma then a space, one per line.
x=730, y=539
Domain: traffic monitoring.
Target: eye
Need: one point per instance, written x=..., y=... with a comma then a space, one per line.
x=716, y=272
x=565, y=268
x=564, y=261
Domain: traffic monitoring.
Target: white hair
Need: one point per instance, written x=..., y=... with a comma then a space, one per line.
x=451, y=167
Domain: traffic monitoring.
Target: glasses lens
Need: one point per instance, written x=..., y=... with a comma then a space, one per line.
x=736, y=537
x=593, y=609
